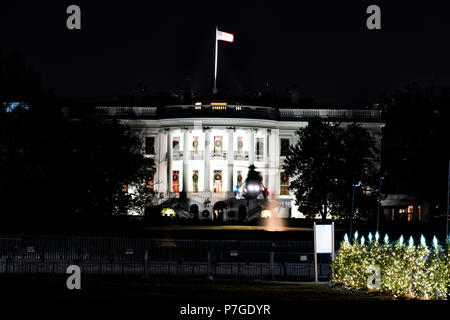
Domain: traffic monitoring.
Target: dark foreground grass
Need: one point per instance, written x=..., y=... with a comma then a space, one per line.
x=157, y=288
x=122, y=297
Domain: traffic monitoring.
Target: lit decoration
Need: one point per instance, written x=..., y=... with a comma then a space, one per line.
x=370, y=236
x=377, y=236
x=356, y=235
x=435, y=243
x=168, y=212
x=406, y=271
x=411, y=242
x=266, y=213
x=423, y=242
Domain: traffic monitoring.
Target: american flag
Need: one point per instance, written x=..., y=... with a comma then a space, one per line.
x=224, y=36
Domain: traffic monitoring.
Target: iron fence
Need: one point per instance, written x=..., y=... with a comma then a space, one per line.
x=220, y=258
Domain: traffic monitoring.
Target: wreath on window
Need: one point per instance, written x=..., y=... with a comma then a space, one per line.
x=175, y=143
x=175, y=177
x=217, y=143
x=260, y=177
x=260, y=143
x=195, y=177
x=285, y=143
x=240, y=144
x=218, y=176
x=284, y=178
x=239, y=178
x=195, y=143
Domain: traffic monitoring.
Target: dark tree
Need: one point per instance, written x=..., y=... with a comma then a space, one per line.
x=324, y=164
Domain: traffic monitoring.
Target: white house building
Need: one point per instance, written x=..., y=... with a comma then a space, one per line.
x=202, y=152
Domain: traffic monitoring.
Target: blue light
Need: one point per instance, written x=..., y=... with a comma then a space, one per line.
x=12, y=106
x=236, y=188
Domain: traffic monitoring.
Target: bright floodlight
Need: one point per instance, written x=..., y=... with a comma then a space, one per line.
x=266, y=214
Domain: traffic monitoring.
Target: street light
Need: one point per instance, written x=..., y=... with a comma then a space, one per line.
x=354, y=186
x=379, y=199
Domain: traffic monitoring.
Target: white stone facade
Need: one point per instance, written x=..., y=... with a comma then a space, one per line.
x=243, y=141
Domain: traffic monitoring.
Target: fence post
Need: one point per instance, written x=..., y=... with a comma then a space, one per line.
x=145, y=263
x=209, y=263
x=272, y=266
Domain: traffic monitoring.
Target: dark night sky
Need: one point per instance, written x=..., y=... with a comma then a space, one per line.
x=322, y=46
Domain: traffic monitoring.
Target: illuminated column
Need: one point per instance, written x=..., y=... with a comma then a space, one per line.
x=169, y=160
x=251, y=147
x=206, y=183
x=230, y=159
x=185, y=160
x=267, y=158
x=275, y=161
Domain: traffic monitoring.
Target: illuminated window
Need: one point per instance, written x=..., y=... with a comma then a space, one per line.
x=410, y=209
x=176, y=181
x=239, y=178
x=217, y=180
x=195, y=144
x=259, y=148
x=218, y=144
x=150, y=184
x=240, y=145
x=284, y=184
x=195, y=177
x=176, y=145
x=284, y=147
x=150, y=145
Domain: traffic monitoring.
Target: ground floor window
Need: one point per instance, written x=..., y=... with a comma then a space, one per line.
x=284, y=184
x=176, y=181
x=195, y=181
x=217, y=180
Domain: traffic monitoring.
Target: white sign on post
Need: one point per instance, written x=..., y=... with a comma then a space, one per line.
x=324, y=238
x=323, y=243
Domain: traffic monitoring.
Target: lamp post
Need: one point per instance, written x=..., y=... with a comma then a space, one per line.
x=379, y=199
x=353, y=205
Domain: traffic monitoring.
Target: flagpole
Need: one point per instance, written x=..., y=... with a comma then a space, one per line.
x=215, y=67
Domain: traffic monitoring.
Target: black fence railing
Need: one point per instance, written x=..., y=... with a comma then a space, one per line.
x=245, y=258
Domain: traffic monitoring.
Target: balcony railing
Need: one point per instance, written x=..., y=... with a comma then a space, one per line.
x=177, y=155
x=196, y=155
x=219, y=155
x=331, y=113
x=241, y=156
x=259, y=157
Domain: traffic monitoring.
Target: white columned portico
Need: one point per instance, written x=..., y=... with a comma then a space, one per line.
x=207, y=182
x=267, y=158
x=185, y=160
